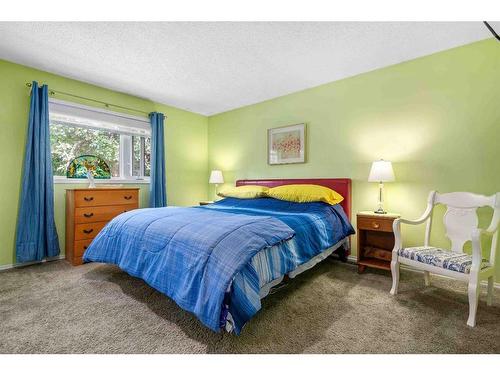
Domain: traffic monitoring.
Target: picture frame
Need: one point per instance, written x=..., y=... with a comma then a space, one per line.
x=286, y=144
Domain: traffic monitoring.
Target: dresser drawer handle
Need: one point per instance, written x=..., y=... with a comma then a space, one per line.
x=375, y=225
x=85, y=247
x=89, y=215
x=127, y=197
x=88, y=231
x=88, y=199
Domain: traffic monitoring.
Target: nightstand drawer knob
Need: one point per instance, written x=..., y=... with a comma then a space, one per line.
x=89, y=215
x=88, y=231
x=375, y=225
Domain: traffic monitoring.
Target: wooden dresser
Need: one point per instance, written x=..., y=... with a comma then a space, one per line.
x=88, y=211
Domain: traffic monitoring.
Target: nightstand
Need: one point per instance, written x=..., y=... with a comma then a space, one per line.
x=375, y=240
x=204, y=203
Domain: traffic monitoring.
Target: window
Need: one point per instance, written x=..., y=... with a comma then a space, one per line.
x=141, y=156
x=123, y=141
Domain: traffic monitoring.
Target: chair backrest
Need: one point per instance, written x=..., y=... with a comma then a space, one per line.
x=461, y=217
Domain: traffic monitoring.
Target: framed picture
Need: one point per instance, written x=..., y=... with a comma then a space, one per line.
x=287, y=144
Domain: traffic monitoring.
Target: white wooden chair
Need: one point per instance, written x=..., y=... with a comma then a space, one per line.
x=461, y=225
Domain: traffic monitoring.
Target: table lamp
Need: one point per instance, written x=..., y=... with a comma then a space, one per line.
x=381, y=172
x=216, y=178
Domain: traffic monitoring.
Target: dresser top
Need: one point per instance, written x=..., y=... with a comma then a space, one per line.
x=104, y=188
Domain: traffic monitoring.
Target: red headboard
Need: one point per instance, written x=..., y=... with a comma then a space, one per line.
x=340, y=185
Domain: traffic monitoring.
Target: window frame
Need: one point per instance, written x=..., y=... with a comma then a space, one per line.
x=125, y=152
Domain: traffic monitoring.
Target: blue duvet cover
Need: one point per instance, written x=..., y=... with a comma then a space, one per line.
x=212, y=260
x=317, y=226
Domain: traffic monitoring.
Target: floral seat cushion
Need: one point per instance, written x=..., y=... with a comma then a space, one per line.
x=435, y=256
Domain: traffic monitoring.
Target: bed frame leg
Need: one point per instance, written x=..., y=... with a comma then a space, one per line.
x=342, y=253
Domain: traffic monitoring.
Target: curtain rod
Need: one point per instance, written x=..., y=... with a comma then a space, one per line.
x=107, y=105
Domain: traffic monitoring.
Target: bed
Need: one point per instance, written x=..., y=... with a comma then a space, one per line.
x=218, y=261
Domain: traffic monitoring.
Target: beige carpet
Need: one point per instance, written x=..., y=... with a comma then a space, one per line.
x=95, y=308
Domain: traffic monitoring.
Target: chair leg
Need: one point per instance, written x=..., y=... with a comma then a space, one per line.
x=489, y=298
x=395, y=277
x=427, y=278
x=474, y=290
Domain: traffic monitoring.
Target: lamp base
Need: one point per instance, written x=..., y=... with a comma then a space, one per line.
x=380, y=210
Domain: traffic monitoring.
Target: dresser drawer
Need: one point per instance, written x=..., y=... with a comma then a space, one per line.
x=100, y=213
x=374, y=223
x=88, y=231
x=80, y=247
x=87, y=198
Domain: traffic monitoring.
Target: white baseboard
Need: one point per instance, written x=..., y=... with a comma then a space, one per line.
x=353, y=259
x=17, y=265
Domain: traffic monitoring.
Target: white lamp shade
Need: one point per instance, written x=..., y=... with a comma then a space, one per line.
x=381, y=171
x=216, y=177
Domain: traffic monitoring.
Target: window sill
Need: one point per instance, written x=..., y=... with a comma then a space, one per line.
x=113, y=181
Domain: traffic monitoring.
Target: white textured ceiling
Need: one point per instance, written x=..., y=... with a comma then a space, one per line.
x=212, y=67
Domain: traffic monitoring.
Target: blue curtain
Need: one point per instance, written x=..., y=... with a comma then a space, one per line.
x=157, y=187
x=36, y=235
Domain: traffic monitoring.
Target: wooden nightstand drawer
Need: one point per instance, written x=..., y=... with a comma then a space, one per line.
x=375, y=223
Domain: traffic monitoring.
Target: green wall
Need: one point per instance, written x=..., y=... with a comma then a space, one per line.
x=437, y=118
x=185, y=142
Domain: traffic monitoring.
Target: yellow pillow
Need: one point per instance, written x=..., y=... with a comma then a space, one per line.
x=244, y=192
x=305, y=193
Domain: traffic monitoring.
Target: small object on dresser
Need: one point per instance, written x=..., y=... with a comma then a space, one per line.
x=204, y=203
x=90, y=177
x=88, y=211
x=375, y=240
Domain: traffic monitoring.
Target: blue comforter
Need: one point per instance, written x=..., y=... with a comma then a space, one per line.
x=190, y=254
x=212, y=260
x=317, y=226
